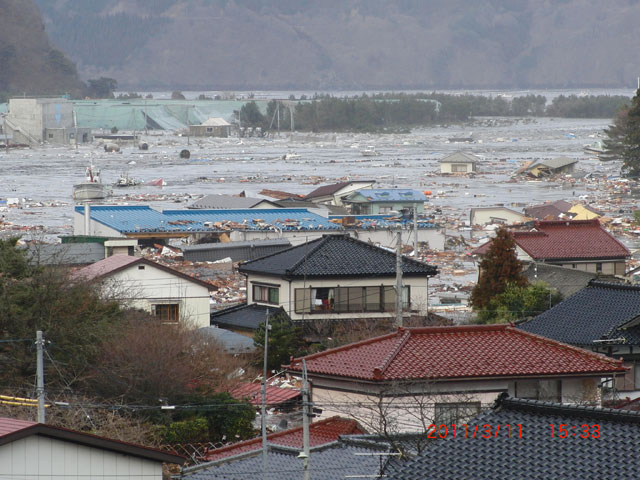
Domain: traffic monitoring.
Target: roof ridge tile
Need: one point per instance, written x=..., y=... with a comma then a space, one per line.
x=378, y=372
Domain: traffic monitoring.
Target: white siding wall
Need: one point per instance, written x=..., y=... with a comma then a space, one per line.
x=418, y=289
x=141, y=288
x=41, y=458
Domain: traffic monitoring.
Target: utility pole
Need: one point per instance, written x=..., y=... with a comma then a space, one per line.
x=415, y=233
x=263, y=408
x=399, y=321
x=306, y=451
x=40, y=376
x=75, y=124
x=291, y=111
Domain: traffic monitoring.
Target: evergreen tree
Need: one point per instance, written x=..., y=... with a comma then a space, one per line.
x=623, y=140
x=284, y=341
x=499, y=268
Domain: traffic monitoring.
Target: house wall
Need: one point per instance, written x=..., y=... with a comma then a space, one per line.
x=610, y=267
x=495, y=215
x=41, y=458
x=407, y=404
x=418, y=294
x=216, y=131
x=448, y=167
x=144, y=288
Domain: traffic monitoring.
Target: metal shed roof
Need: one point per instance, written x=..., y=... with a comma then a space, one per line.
x=135, y=219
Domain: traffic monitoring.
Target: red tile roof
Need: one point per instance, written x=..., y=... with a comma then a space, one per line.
x=470, y=351
x=566, y=240
x=320, y=433
x=275, y=395
x=10, y=425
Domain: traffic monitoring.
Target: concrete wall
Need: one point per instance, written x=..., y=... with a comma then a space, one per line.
x=41, y=458
x=145, y=287
x=418, y=294
x=29, y=118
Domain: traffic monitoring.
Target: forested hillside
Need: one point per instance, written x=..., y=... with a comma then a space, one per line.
x=350, y=44
x=28, y=62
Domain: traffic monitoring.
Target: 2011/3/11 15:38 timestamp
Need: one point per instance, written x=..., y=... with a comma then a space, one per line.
x=563, y=430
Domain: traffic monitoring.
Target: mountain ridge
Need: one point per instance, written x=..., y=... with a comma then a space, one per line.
x=350, y=44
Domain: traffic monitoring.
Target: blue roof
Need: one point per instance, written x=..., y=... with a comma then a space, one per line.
x=389, y=195
x=132, y=219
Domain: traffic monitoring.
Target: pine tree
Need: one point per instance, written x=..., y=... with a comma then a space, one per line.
x=623, y=138
x=500, y=267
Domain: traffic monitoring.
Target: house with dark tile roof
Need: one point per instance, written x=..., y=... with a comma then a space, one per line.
x=30, y=450
x=579, y=244
x=603, y=317
x=166, y=293
x=336, y=277
x=343, y=458
x=532, y=440
x=244, y=318
x=448, y=373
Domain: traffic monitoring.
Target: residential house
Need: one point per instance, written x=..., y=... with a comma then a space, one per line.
x=230, y=202
x=36, y=120
x=162, y=291
x=36, y=451
x=212, y=127
x=335, y=193
x=602, y=317
x=552, y=166
x=562, y=210
x=382, y=201
x=459, y=162
x=336, y=277
x=580, y=244
x=446, y=374
x=493, y=215
x=530, y=440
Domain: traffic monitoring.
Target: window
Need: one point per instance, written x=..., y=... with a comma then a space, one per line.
x=599, y=267
x=459, y=167
x=453, y=413
x=140, y=267
x=266, y=294
x=209, y=129
x=51, y=135
x=167, y=312
x=349, y=299
x=384, y=209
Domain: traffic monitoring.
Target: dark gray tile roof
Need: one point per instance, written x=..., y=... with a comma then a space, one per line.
x=329, y=462
x=535, y=456
x=65, y=253
x=335, y=256
x=597, y=312
x=230, y=341
x=243, y=316
x=567, y=281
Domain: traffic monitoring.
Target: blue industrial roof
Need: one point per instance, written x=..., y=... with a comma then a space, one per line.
x=388, y=195
x=131, y=219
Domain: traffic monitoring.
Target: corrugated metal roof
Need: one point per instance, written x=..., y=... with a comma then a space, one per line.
x=132, y=219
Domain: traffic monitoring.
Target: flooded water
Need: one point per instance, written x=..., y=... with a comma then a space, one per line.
x=42, y=178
